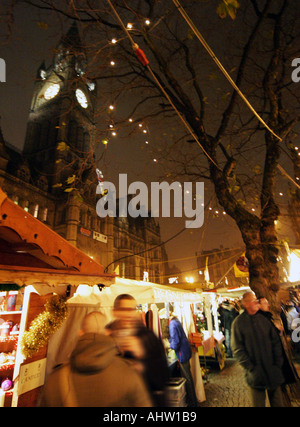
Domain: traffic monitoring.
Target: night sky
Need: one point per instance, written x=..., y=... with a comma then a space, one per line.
x=24, y=50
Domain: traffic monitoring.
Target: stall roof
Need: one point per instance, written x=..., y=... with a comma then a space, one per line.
x=26, y=245
x=143, y=292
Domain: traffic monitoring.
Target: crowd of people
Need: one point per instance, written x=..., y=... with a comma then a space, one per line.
x=123, y=363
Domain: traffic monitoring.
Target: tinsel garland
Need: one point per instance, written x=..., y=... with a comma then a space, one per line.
x=44, y=325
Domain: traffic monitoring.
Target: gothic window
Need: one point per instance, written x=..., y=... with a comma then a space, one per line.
x=80, y=139
x=86, y=143
x=23, y=173
x=102, y=226
x=72, y=132
x=88, y=220
x=45, y=214
x=15, y=199
x=45, y=134
x=36, y=211
x=25, y=205
x=43, y=183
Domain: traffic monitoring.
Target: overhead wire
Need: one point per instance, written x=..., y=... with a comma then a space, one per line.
x=231, y=81
x=219, y=64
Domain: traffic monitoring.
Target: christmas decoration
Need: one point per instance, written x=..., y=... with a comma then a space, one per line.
x=44, y=325
x=6, y=384
x=140, y=55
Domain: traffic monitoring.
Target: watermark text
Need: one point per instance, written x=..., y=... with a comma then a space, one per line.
x=2, y=71
x=187, y=201
x=296, y=72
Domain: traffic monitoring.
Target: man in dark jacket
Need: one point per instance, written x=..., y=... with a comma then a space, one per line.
x=227, y=313
x=180, y=344
x=257, y=347
x=140, y=345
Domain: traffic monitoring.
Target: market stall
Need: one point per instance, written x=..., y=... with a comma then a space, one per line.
x=38, y=271
x=211, y=350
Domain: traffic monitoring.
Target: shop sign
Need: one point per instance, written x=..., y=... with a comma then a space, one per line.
x=32, y=375
x=99, y=237
x=85, y=232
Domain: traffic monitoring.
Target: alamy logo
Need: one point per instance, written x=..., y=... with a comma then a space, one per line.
x=296, y=72
x=185, y=201
x=296, y=331
x=2, y=71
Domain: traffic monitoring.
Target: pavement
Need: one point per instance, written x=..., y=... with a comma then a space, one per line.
x=228, y=388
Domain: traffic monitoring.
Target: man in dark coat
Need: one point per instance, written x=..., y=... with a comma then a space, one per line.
x=257, y=347
x=141, y=345
x=227, y=313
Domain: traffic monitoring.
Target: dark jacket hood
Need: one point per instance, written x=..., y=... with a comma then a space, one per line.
x=93, y=353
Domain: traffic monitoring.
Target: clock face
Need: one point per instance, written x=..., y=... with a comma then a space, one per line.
x=81, y=98
x=51, y=91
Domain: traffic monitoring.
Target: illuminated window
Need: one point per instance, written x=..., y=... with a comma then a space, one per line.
x=36, y=211
x=51, y=91
x=45, y=214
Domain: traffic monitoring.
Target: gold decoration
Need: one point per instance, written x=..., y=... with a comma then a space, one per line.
x=44, y=325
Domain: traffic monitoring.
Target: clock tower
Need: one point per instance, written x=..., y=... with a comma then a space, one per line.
x=60, y=132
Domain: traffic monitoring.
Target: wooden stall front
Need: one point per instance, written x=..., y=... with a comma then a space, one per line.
x=32, y=256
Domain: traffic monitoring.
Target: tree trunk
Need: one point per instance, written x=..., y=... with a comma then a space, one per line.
x=259, y=236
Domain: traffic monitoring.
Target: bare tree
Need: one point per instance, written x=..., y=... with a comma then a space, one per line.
x=235, y=152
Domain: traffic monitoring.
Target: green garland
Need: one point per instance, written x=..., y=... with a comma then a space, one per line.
x=44, y=325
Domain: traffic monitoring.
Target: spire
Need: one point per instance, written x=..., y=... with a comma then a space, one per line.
x=71, y=40
x=70, y=51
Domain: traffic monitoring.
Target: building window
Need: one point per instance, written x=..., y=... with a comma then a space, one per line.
x=15, y=199
x=24, y=174
x=25, y=206
x=36, y=211
x=45, y=214
x=43, y=183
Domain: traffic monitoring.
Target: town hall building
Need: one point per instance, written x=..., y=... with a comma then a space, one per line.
x=54, y=177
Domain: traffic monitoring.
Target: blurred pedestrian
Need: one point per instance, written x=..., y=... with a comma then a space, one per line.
x=257, y=347
x=95, y=375
x=288, y=369
x=228, y=313
x=141, y=346
x=180, y=344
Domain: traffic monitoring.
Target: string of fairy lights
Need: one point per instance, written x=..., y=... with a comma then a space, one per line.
x=145, y=129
